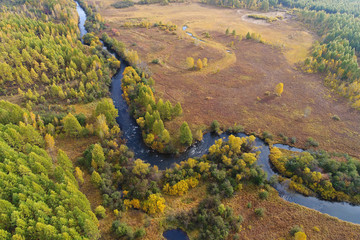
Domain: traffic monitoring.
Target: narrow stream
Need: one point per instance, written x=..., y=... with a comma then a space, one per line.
x=132, y=133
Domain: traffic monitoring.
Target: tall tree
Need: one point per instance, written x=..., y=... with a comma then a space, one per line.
x=185, y=134
x=72, y=126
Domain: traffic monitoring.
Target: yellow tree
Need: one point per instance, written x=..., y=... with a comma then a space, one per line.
x=140, y=168
x=49, y=141
x=300, y=236
x=79, y=175
x=154, y=204
x=102, y=127
x=279, y=89
x=199, y=64
x=205, y=62
x=190, y=62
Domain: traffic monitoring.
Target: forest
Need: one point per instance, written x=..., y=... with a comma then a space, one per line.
x=67, y=172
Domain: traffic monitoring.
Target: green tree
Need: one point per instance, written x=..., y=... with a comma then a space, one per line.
x=165, y=136
x=248, y=35
x=100, y=211
x=72, y=126
x=158, y=127
x=106, y=107
x=185, y=134
x=177, y=110
x=264, y=5
x=96, y=178
x=98, y=156
x=64, y=161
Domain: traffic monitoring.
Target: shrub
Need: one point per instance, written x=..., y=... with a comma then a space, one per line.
x=316, y=229
x=293, y=140
x=155, y=61
x=215, y=126
x=139, y=233
x=335, y=118
x=249, y=205
x=122, y=230
x=295, y=229
x=263, y=194
x=267, y=135
x=311, y=142
x=259, y=212
x=81, y=119
x=100, y=212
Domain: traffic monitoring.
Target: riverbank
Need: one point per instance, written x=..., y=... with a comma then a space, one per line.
x=131, y=132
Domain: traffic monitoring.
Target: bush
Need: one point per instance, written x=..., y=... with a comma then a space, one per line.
x=335, y=118
x=259, y=212
x=295, y=229
x=122, y=230
x=215, y=126
x=155, y=61
x=267, y=135
x=311, y=142
x=81, y=119
x=249, y=205
x=263, y=194
x=293, y=140
x=139, y=233
x=100, y=212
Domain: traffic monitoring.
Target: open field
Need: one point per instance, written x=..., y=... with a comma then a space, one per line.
x=227, y=90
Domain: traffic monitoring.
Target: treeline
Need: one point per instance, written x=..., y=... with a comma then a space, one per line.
x=319, y=172
x=336, y=54
x=263, y=5
x=130, y=3
x=329, y=6
x=39, y=197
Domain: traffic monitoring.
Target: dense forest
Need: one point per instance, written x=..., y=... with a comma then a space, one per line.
x=39, y=196
x=45, y=62
x=329, y=6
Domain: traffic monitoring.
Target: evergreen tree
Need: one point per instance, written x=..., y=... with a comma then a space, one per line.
x=98, y=156
x=177, y=110
x=185, y=134
x=72, y=126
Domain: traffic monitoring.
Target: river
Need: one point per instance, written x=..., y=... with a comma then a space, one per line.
x=132, y=133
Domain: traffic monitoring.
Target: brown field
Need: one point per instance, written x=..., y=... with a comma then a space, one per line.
x=230, y=88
